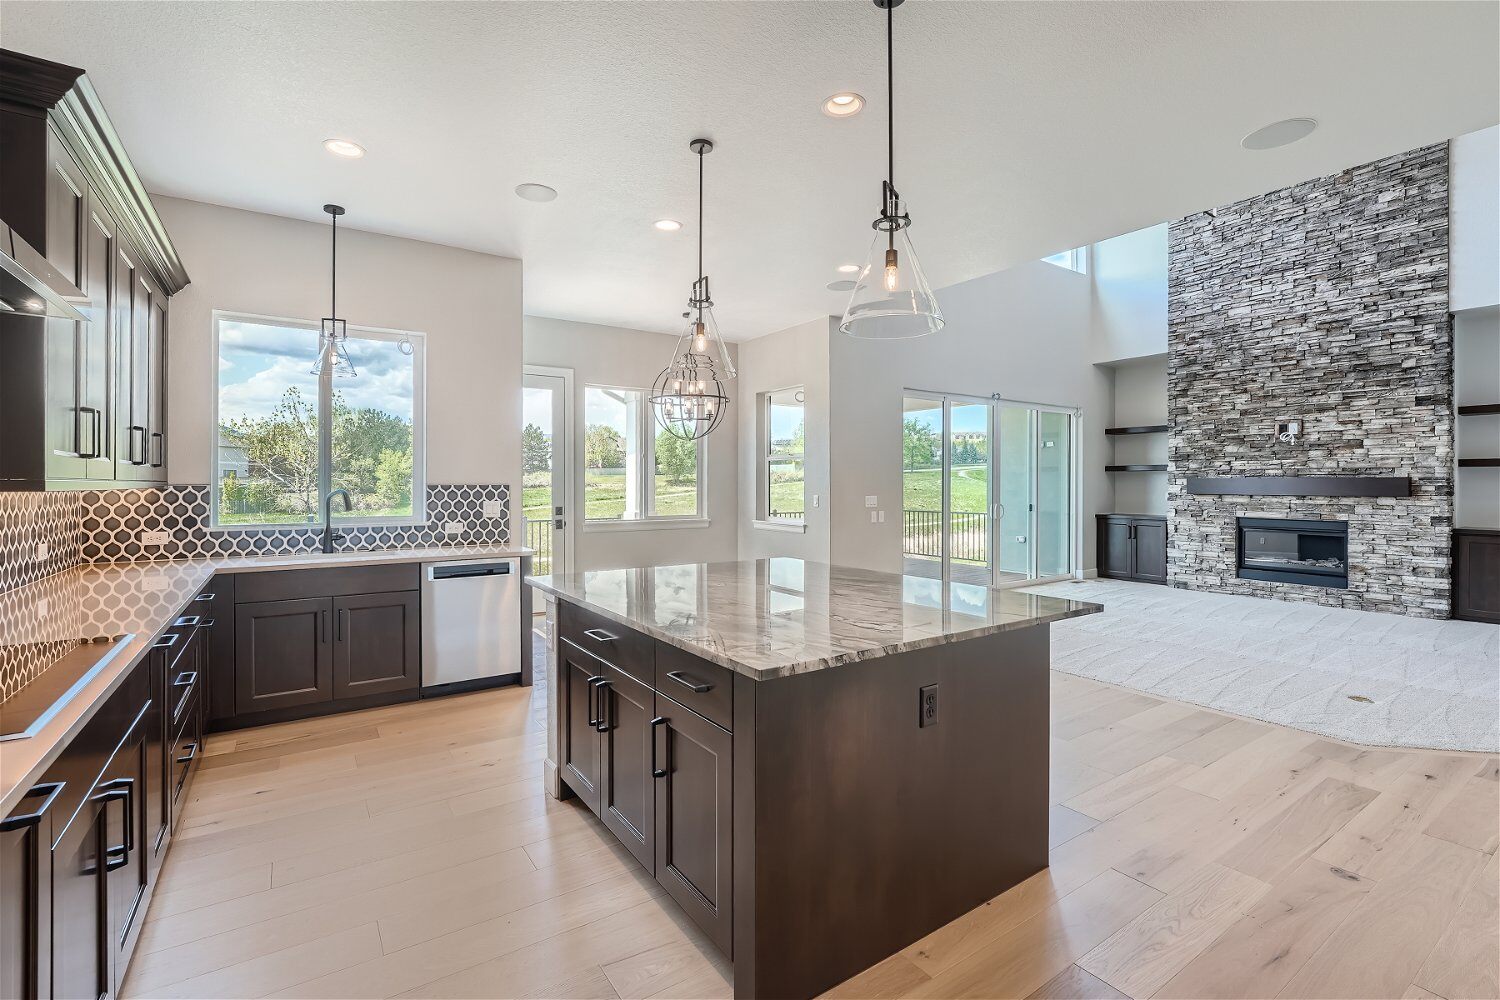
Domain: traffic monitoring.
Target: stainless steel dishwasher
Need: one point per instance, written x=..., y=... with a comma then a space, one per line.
x=471, y=623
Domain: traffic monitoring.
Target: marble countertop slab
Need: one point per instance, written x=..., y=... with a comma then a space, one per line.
x=139, y=599
x=777, y=617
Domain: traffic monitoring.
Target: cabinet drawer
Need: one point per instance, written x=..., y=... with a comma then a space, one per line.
x=182, y=689
x=292, y=584
x=183, y=754
x=694, y=683
x=615, y=644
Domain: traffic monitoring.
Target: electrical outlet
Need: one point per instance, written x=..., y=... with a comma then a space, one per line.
x=453, y=528
x=882, y=516
x=155, y=537
x=493, y=508
x=43, y=608
x=43, y=550
x=873, y=518
x=928, y=707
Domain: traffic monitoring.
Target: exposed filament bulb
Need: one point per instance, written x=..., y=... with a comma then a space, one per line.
x=700, y=338
x=892, y=273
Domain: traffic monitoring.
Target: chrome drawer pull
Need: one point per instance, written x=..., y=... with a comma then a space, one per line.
x=599, y=635
x=688, y=682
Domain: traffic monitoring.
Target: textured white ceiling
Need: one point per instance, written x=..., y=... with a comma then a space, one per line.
x=1023, y=128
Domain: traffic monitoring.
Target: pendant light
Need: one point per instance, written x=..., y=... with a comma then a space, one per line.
x=892, y=299
x=688, y=397
x=333, y=333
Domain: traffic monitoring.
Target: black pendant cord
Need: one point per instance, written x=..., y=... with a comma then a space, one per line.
x=892, y=206
x=333, y=280
x=704, y=292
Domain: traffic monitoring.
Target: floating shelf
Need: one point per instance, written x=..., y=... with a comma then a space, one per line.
x=1135, y=468
x=1463, y=411
x=1479, y=463
x=1148, y=429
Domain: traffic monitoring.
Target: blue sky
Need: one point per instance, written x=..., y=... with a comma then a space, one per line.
x=970, y=419
x=259, y=362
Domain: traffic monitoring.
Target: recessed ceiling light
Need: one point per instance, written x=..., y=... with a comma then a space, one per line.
x=535, y=192
x=346, y=148
x=848, y=268
x=843, y=105
x=667, y=225
x=1282, y=133
x=844, y=285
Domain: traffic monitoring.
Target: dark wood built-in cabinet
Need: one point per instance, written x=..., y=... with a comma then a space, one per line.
x=1476, y=574
x=1133, y=547
x=82, y=403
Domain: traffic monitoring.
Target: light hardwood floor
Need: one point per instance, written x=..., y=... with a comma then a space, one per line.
x=411, y=851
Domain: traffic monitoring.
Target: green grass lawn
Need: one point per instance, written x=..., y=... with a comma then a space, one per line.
x=923, y=490
x=297, y=518
x=604, y=498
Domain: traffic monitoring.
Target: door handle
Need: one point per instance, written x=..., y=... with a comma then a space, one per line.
x=323, y=626
x=656, y=726
x=602, y=726
x=558, y=523
x=688, y=682
x=130, y=444
x=594, y=682
x=119, y=790
x=192, y=751
x=160, y=440
x=49, y=791
x=94, y=432
x=338, y=625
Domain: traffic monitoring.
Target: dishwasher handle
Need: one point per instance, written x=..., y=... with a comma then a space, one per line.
x=458, y=571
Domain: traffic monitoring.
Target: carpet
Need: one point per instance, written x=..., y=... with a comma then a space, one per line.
x=1377, y=679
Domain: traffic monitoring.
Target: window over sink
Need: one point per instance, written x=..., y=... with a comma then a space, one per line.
x=285, y=437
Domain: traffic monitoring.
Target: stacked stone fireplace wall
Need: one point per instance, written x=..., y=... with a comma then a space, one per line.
x=1325, y=302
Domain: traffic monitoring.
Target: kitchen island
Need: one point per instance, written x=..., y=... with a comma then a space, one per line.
x=819, y=764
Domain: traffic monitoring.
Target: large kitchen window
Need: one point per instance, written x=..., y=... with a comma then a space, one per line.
x=285, y=437
x=783, y=454
x=633, y=471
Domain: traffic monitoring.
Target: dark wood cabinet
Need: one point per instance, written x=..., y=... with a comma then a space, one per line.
x=26, y=904
x=1133, y=547
x=283, y=654
x=127, y=780
x=377, y=644
x=80, y=899
x=627, y=806
x=1476, y=574
x=580, y=674
x=694, y=812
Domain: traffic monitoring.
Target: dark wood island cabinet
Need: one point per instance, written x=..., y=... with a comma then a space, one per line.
x=815, y=764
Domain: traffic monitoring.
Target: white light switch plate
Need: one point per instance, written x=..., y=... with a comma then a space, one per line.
x=453, y=527
x=155, y=538
x=493, y=508
x=817, y=500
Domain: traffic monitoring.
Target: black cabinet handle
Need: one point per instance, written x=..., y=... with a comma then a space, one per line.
x=599, y=635
x=594, y=682
x=167, y=641
x=657, y=725
x=603, y=724
x=185, y=679
x=48, y=792
x=206, y=623
x=339, y=624
x=160, y=440
x=120, y=790
x=205, y=597
x=186, y=621
x=130, y=444
x=687, y=682
x=192, y=751
x=323, y=626
x=94, y=432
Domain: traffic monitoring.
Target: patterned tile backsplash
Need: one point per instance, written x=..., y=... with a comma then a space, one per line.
x=29, y=521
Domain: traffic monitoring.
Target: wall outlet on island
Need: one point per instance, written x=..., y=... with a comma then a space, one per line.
x=155, y=538
x=928, y=711
x=493, y=508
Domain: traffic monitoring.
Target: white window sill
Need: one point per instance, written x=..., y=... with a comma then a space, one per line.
x=317, y=526
x=646, y=524
x=796, y=527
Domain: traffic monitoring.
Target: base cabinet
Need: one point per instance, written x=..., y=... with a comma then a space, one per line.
x=1133, y=547
x=283, y=654
x=377, y=644
x=694, y=809
x=26, y=837
x=80, y=903
x=1476, y=575
x=581, y=674
x=626, y=708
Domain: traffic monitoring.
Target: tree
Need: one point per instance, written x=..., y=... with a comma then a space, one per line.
x=360, y=440
x=603, y=447
x=536, y=450
x=282, y=448
x=675, y=458
x=393, y=479
x=919, y=445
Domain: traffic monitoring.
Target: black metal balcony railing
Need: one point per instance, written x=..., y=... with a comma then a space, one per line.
x=539, y=537
x=968, y=534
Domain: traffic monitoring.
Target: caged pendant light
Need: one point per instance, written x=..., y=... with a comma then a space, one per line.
x=891, y=299
x=333, y=333
x=688, y=397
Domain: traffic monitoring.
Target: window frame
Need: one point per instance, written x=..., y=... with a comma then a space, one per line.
x=418, y=341
x=645, y=445
x=768, y=456
x=1077, y=260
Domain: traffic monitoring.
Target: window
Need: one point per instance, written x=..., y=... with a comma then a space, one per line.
x=785, y=450
x=276, y=455
x=620, y=483
x=1074, y=260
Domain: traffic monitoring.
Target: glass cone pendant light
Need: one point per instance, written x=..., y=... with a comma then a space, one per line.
x=333, y=333
x=688, y=397
x=891, y=299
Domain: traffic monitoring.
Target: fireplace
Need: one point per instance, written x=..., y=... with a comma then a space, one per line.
x=1312, y=553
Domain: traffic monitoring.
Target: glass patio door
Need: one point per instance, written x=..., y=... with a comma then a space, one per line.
x=544, y=469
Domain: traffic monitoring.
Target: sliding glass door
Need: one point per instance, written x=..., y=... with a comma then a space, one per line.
x=988, y=490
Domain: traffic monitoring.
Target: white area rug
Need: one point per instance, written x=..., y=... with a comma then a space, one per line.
x=1430, y=684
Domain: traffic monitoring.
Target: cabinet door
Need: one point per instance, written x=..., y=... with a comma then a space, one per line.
x=80, y=917
x=127, y=851
x=581, y=673
x=283, y=654
x=67, y=215
x=377, y=644
x=129, y=424
x=95, y=373
x=627, y=796
x=158, y=732
x=1116, y=549
x=694, y=803
x=26, y=903
x=1151, y=550
x=156, y=386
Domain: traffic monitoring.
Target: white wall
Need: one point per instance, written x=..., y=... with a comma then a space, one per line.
x=1476, y=368
x=1474, y=239
x=797, y=356
x=468, y=304
x=1130, y=295
x=1140, y=399
x=1023, y=333
x=606, y=355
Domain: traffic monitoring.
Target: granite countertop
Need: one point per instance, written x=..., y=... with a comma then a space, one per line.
x=777, y=617
x=140, y=600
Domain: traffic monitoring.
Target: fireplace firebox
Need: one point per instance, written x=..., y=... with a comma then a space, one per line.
x=1312, y=553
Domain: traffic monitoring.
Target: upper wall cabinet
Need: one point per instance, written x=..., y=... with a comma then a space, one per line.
x=82, y=404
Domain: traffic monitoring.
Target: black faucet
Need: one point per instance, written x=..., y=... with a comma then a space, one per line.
x=329, y=535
